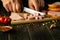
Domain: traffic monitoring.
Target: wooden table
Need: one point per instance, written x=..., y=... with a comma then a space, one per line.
x=33, y=30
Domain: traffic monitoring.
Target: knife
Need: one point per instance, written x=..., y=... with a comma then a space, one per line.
x=31, y=11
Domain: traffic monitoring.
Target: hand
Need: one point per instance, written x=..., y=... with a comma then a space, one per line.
x=36, y=4
x=5, y=28
x=12, y=5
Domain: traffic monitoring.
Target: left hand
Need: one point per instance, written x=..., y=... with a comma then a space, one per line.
x=12, y=5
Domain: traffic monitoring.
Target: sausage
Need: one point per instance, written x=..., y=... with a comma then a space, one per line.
x=40, y=17
x=54, y=14
x=25, y=16
x=36, y=18
x=31, y=17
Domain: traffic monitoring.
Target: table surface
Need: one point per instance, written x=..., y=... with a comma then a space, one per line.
x=31, y=31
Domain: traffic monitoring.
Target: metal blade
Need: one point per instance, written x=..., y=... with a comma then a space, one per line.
x=33, y=11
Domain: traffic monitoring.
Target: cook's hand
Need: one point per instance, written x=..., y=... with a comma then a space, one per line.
x=12, y=5
x=36, y=4
x=5, y=28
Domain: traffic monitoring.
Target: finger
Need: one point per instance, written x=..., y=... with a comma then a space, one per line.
x=10, y=6
x=18, y=7
x=6, y=7
x=36, y=6
x=16, y=1
x=14, y=7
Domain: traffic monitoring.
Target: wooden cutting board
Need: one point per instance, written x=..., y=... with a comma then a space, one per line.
x=30, y=21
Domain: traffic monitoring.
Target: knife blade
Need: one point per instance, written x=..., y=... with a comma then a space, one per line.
x=31, y=11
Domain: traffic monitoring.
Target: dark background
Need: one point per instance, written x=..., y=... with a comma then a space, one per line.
x=32, y=31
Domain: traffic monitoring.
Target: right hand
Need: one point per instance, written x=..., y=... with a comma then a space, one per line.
x=36, y=4
x=12, y=5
